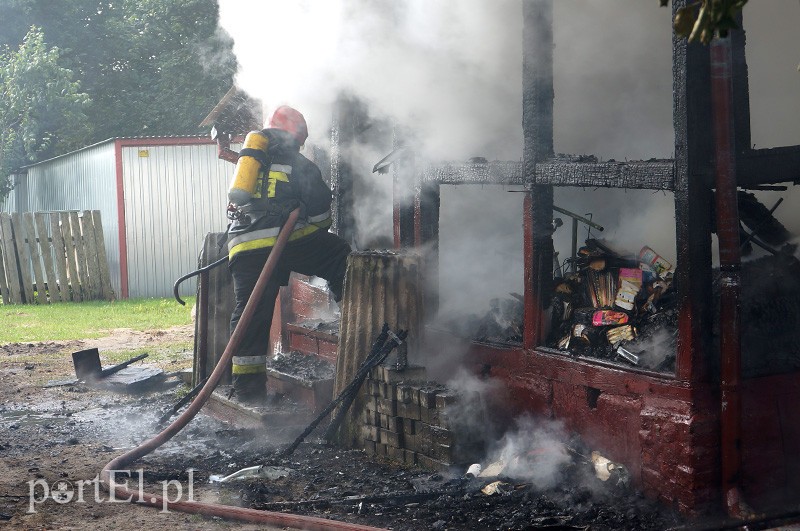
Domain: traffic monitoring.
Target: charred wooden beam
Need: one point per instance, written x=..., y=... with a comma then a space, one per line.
x=495, y=172
x=650, y=174
x=764, y=166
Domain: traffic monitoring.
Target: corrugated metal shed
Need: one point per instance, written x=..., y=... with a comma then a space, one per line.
x=158, y=198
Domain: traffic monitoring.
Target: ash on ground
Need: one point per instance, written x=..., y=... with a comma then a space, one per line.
x=306, y=367
x=321, y=325
x=347, y=485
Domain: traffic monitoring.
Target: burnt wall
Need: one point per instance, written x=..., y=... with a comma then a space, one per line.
x=664, y=432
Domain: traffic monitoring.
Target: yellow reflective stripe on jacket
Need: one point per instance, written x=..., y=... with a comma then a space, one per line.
x=259, y=185
x=251, y=240
x=272, y=180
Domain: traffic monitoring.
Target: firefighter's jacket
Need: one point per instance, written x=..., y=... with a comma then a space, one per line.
x=290, y=181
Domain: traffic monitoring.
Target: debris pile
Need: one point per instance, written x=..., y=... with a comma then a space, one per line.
x=348, y=486
x=617, y=308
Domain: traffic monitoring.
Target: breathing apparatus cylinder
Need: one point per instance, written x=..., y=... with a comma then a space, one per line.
x=252, y=159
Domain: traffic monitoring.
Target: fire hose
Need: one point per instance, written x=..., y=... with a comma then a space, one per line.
x=122, y=492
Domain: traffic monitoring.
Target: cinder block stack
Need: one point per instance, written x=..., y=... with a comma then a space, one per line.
x=406, y=420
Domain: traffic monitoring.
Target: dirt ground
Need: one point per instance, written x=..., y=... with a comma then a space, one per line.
x=68, y=433
x=54, y=441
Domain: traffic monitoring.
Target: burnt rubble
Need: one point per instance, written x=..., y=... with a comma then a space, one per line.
x=302, y=366
x=611, y=307
x=348, y=485
x=617, y=308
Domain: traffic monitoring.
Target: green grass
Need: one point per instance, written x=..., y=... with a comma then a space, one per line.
x=85, y=320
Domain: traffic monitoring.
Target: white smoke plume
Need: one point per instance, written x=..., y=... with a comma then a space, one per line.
x=450, y=69
x=474, y=393
x=534, y=451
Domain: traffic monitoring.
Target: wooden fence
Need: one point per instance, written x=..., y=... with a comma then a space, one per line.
x=53, y=257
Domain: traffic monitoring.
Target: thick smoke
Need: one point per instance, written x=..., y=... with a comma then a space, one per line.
x=450, y=70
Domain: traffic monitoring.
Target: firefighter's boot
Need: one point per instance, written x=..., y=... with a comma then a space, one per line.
x=250, y=378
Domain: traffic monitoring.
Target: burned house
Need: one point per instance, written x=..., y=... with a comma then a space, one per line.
x=579, y=343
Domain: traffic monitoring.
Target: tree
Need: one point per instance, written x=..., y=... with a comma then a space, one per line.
x=41, y=107
x=700, y=20
x=151, y=67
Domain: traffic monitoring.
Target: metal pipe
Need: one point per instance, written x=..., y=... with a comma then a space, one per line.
x=574, y=244
x=200, y=271
x=582, y=219
x=122, y=492
x=727, y=212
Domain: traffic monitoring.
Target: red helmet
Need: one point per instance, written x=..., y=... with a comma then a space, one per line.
x=290, y=120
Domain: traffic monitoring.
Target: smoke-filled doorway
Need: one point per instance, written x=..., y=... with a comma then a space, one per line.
x=481, y=262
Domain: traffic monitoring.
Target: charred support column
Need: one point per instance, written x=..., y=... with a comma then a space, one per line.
x=343, y=135
x=730, y=271
x=379, y=288
x=426, y=237
x=537, y=127
x=691, y=114
x=403, y=200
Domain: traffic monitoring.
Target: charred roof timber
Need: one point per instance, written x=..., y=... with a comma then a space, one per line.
x=562, y=170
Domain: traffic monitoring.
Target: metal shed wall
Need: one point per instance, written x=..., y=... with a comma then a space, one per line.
x=81, y=180
x=173, y=196
x=171, y=192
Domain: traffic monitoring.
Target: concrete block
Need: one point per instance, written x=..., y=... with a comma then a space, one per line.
x=412, y=373
x=370, y=433
x=426, y=397
x=394, y=424
x=403, y=393
x=444, y=399
x=369, y=447
x=390, y=438
x=386, y=406
x=409, y=410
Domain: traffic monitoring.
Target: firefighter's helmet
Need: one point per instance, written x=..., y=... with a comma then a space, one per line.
x=290, y=120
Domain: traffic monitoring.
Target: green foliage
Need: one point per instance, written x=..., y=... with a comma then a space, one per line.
x=41, y=107
x=701, y=20
x=149, y=67
x=66, y=321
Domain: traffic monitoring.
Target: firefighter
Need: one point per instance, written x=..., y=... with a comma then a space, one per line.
x=271, y=179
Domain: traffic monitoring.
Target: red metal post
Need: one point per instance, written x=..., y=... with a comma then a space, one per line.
x=730, y=271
